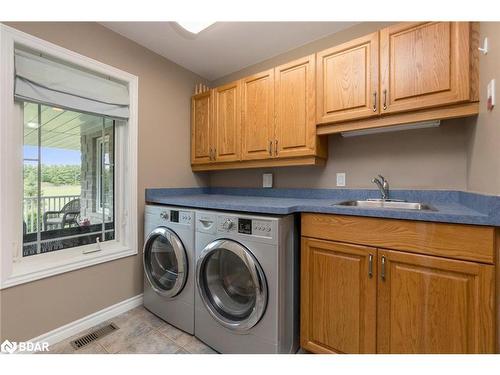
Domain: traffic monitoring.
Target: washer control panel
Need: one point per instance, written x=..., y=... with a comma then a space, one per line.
x=262, y=228
x=227, y=224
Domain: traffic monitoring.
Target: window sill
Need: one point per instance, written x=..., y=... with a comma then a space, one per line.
x=37, y=267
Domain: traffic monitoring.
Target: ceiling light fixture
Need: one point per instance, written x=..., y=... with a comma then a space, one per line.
x=32, y=125
x=195, y=27
x=388, y=129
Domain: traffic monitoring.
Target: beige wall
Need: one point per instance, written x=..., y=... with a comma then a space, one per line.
x=165, y=88
x=427, y=158
x=484, y=133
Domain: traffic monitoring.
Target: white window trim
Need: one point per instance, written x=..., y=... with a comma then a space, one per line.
x=98, y=181
x=14, y=269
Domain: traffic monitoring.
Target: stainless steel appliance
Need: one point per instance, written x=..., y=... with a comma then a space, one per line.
x=168, y=257
x=247, y=282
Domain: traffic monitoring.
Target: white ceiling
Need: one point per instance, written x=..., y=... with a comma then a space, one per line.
x=224, y=47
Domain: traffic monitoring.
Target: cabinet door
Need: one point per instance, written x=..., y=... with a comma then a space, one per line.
x=338, y=297
x=434, y=305
x=347, y=83
x=227, y=121
x=201, y=128
x=424, y=65
x=258, y=115
x=295, y=102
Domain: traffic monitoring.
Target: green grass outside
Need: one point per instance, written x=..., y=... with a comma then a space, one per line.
x=49, y=189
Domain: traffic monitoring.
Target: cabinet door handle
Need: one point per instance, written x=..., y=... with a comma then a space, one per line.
x=270, y=148
x=382, y=272
x=385, y=100
x=275, y=147
x=370, y=266
x=210, y=154
x=215, y=153
x=374, y=101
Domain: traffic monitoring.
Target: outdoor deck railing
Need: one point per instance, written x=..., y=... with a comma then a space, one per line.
x=49, y=203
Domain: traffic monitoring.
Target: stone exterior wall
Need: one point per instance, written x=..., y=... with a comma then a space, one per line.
x=88, y=199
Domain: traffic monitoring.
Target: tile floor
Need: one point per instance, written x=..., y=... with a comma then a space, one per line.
x=139, y=332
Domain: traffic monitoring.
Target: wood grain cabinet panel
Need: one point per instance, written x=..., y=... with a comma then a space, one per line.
x=295, y=105
x=227, y=122
x=347, y=80
x=201, y=128
x=434, y=305
x=338, y=297
x=412, y=303
x=424, y=65
x=258, y=115
x=459, y=241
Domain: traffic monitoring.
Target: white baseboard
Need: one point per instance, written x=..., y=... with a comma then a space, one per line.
x=88, y=321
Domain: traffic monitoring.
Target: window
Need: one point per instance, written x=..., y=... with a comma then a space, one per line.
x=68, y=168
x=68, y=179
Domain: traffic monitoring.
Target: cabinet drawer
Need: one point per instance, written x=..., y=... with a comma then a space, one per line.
x=459, y=241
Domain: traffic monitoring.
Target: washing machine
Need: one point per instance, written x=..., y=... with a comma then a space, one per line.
x=247, y=292
x=168, y=258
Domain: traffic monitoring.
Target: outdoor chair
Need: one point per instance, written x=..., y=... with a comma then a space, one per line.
x=68, y=215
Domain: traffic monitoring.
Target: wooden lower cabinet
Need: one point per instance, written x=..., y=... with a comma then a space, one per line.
x=434, y=305
x=338, y=293
x=368, y=299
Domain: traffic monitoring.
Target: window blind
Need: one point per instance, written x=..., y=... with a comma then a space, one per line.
x=42, y=80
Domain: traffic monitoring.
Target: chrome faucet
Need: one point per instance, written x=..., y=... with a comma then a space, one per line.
x=383, y=186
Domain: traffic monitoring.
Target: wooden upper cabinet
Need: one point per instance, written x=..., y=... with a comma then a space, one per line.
x=257, y=115
x=227, y=122
x=347, y=80
x=201, y=128
x=338, y=297
x=295, y=97
x=425, y=65
x=434, y=305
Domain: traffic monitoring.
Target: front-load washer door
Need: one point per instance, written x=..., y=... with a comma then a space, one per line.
x=165, y=262
x=232, y=284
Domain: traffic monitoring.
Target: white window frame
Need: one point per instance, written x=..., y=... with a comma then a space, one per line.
x=15, y=269
x=98, y=149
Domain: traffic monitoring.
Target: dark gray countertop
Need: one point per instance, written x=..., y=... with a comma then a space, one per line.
x=451, y=206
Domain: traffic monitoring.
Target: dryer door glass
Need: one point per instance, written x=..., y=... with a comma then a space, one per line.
x=165, y=262
x=232, y=284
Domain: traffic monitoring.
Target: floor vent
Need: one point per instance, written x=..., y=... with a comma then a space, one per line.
x=89, y=338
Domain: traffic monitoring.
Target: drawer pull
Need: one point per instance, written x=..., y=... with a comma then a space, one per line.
x=370, y=266
x=382, y=273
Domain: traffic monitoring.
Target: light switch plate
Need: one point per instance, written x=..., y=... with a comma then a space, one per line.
x=267, y=180
x=340, y=179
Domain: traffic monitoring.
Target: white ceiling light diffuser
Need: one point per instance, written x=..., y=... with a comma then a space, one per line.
x=195, y=27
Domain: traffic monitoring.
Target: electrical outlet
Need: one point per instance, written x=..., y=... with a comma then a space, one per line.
x=267, y=180
x=340, y=179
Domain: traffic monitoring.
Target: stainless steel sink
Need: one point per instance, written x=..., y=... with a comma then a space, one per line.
x=394, y=204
